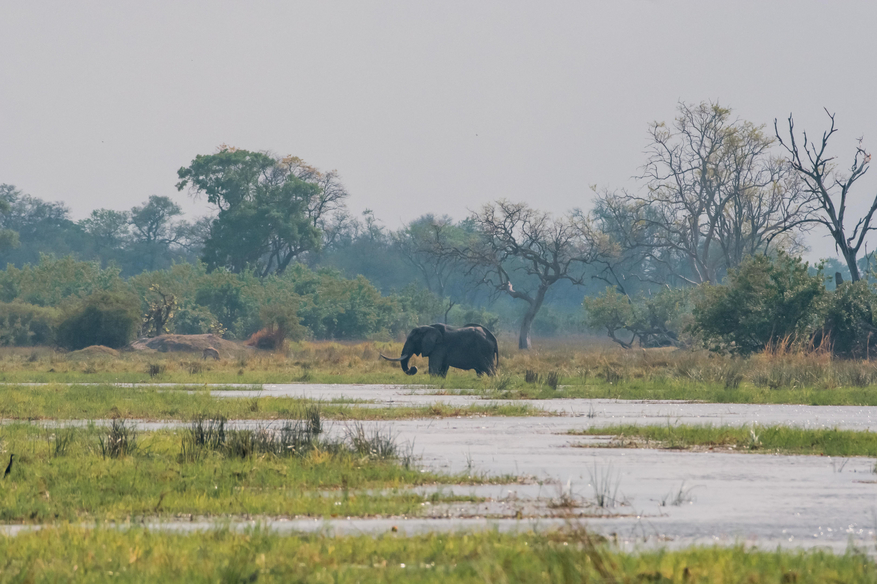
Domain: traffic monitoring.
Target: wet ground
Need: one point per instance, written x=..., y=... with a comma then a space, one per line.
x=649, y=497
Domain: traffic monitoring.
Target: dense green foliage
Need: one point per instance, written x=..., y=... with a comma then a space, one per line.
x=762, y=303
x=304, y=303
x=104, y=318
x=26, y=325
x=848, y=326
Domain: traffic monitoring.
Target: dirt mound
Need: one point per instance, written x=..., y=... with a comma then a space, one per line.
x=186, y=344
x=94, y=351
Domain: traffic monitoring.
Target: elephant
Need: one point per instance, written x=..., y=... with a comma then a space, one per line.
x=469, y=347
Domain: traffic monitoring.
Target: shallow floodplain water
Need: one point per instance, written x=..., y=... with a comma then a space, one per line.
x=654, y=497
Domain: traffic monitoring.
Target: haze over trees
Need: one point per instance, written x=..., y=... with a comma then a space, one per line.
x=714, y=193
x=715, y=226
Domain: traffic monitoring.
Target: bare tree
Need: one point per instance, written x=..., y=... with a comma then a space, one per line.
x=714, y=195
x=830, y=189
x=515, y=238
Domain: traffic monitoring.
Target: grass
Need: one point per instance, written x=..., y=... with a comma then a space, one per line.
x=258, y=555
x=290, y=471
x=555, y=368
x=769, y=439
x=66, y=402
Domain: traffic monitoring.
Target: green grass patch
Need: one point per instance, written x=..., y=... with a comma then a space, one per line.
x=68, y=474
x=222, y=555
x=677, y=389
x=71, y=402
x=756, y=438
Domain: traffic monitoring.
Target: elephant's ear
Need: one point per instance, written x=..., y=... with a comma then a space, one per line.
x=431, y=338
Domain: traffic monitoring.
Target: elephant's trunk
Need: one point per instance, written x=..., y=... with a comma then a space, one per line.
x=403, y=360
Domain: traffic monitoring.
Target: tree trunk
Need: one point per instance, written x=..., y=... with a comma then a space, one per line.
x=533, y=309
x=850, y=257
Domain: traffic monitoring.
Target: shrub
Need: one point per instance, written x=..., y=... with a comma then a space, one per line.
x=849, y=321
x=26, y=325
x=764, y=301
x=104, y=318
x=54, y=280
x=192, y=319
x=653, y=321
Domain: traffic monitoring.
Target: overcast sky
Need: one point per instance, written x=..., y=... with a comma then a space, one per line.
x=421, y=106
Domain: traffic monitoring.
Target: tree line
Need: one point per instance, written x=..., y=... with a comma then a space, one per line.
x=712, y=192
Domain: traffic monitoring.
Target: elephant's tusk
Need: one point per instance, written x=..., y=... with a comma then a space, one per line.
x=403, y=357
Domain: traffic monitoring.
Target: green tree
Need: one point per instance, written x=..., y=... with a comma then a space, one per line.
x=269, y=211
x=109, y=229
x=156, y=229
x=764, y=301
x=42, y=227
x=8, y=237
x=848, y=327
x=230, y=297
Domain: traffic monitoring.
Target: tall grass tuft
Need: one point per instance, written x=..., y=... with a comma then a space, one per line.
x=61, y=440
x=378, y=444
x=119, y=441
x=293, y=438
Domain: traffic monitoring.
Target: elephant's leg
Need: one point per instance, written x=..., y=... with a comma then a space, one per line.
x=435, y=366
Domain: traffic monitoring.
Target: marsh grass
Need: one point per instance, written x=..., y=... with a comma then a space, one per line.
x=230, y=472
x=258, y=555
x=580, y=368
x=678, y=497
x=76, y=402
x=297, y=437
x=119, y=440
x=755, y=438
x=604, y=482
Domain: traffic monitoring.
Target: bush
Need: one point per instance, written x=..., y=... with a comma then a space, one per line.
x=54, y=280
x=192, y=319
x=26, y=325
x=653, y=321
x=104, y=318
x=763, y=302
x=849, y=322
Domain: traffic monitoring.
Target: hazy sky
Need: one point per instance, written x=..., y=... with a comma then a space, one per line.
x=421, y=106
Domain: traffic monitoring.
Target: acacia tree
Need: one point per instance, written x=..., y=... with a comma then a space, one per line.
x=269, y=210
x=515, y=238
x=109, y=229
x=421, y=243
x=830, y=189
x=714, y=196
x=156, y=229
